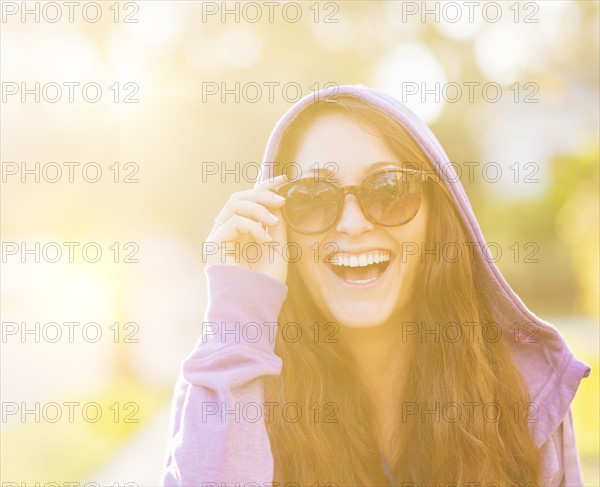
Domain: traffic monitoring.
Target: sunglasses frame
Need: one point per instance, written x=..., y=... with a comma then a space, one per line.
x=342, y=191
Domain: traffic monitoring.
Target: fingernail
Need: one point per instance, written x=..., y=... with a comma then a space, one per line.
x=278, y=197
x=273, y=217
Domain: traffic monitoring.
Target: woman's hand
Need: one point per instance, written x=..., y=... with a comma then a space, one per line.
x=248, y=217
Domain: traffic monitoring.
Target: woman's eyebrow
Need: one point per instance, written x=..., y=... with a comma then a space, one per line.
x=407, y=165
x=373, y=167
x=381, y=164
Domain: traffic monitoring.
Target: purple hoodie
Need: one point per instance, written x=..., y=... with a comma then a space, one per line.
x=213, y=445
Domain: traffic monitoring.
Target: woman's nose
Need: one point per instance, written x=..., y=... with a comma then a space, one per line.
x=352, y=221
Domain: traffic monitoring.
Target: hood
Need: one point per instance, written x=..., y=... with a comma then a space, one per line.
x=549, y=367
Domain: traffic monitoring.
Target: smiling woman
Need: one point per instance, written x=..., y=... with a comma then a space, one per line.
x=423, y=379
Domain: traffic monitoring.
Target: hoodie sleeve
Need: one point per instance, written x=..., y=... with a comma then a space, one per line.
x=217, y=432
x=561, y=461
x=572, y=467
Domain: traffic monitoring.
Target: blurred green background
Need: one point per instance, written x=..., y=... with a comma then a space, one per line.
x=548, y=211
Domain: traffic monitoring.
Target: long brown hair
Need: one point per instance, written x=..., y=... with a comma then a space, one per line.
x=334, y=439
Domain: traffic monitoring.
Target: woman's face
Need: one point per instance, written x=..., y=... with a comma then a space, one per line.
x=339, y=139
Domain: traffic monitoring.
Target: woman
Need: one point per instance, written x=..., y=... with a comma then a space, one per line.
x=363, y=335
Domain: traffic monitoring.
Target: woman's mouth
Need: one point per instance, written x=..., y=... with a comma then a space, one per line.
x=360, y=268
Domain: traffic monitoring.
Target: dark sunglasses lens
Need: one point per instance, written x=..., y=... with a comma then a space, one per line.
x=310, y=206
x=391, y=198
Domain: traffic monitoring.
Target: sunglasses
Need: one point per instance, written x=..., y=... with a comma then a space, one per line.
x=388, y=197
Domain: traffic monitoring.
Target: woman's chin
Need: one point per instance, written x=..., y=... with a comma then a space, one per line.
x=364, y=318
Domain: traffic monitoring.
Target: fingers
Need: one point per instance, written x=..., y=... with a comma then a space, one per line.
x=238, y=226
x=249, y=209
x=264, y=193
x=259, y=195
x=250, y=213
x=255, y=203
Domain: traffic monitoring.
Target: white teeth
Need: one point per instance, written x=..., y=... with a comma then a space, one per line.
x=368, y=258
